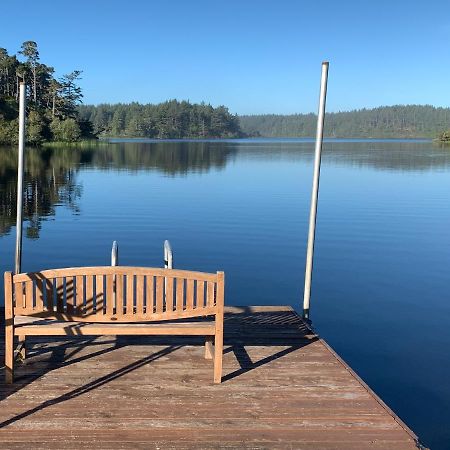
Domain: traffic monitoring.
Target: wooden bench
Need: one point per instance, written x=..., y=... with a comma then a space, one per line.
x=114, y=301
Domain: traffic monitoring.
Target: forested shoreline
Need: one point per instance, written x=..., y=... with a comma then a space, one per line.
x=55, y=113
x=399, y=121
x=181, y=119
x=168, y=120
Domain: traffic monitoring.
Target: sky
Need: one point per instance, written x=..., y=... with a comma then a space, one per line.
x=255, y=57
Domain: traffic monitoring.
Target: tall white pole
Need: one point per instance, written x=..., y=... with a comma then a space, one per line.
x=315, y=190
x=168, y=264
x=115, y=254
x=115, y=262
x=20, y=170
x=168, y=255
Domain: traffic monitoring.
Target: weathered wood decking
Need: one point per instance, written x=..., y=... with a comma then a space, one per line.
x=283, y=387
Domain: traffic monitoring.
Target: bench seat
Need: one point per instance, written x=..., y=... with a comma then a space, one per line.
x=35, y=326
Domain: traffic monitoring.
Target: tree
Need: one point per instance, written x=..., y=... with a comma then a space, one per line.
x=35, y=126
x=7, y=69
x=30, y=52
x=48, y=99
x=66, y=130
x=71, y=94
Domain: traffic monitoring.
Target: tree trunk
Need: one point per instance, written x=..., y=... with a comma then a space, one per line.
x=34, y=85
x=7, y=81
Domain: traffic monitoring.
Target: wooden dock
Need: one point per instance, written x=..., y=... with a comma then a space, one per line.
x=283, y=387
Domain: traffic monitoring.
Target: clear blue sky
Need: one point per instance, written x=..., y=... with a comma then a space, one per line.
x=252, y=56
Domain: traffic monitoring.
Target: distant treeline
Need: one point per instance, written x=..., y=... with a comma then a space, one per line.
x=51, y=102
x=169, y=120
x=401, y=121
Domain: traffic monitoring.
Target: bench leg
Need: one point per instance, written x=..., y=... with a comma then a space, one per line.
x=9, y=353
x=218, y=353
x=209, y=347
x=22, y=347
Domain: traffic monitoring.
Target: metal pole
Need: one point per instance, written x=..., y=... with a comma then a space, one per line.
x=115, y=262
x=115, y=254
x=168, y=264
x=20, y=170
x=168, y=255
x=315, y=190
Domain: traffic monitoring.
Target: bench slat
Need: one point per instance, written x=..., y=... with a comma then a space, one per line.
x=150, y=300
x=210, y=294
x=49, y=294
x=77, y=329
x=180, y=294
x=169, y=294
x=189, y=294
x=119, y=295
x=129, y=305
x=140, y=294
x=89, y=295
x=99, y=294
x=20, y=297
x=200, y=294
x=159, y=294
x=60, y=294
x=105, y=318
x=110, y=295
x=70, y=294
x=111, y=270
x=29, y=297
x=79, y=294
x=40, y=306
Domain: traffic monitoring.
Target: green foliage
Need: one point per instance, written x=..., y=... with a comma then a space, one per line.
x=51, y=103
x=35, y=126
x=9, y=131
x=169, y=120
x=401, y=121
x=70, y=93
x=66, y=130
x=444, y=137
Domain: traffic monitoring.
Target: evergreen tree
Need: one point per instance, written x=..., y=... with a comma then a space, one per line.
x=51, y=102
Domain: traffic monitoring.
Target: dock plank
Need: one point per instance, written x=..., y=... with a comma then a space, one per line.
x=283, y=387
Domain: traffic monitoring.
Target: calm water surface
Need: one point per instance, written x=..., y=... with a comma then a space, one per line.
x=381, y=287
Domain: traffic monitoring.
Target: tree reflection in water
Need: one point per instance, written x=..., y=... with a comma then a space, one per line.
x=51, y=173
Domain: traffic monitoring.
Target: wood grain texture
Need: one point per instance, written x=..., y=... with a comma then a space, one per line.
x=282, y=387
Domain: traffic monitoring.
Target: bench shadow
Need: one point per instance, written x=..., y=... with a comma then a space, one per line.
x=245, y=327
x=247, y=364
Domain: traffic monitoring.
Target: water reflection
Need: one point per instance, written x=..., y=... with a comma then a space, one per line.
x=50, y=179
x=51, y=173
x=403, y=156
x=169, y=157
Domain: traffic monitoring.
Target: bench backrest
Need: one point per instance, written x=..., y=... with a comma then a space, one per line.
x=123, y=294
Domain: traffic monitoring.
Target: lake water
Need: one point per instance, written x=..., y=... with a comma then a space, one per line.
x=381, y=284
